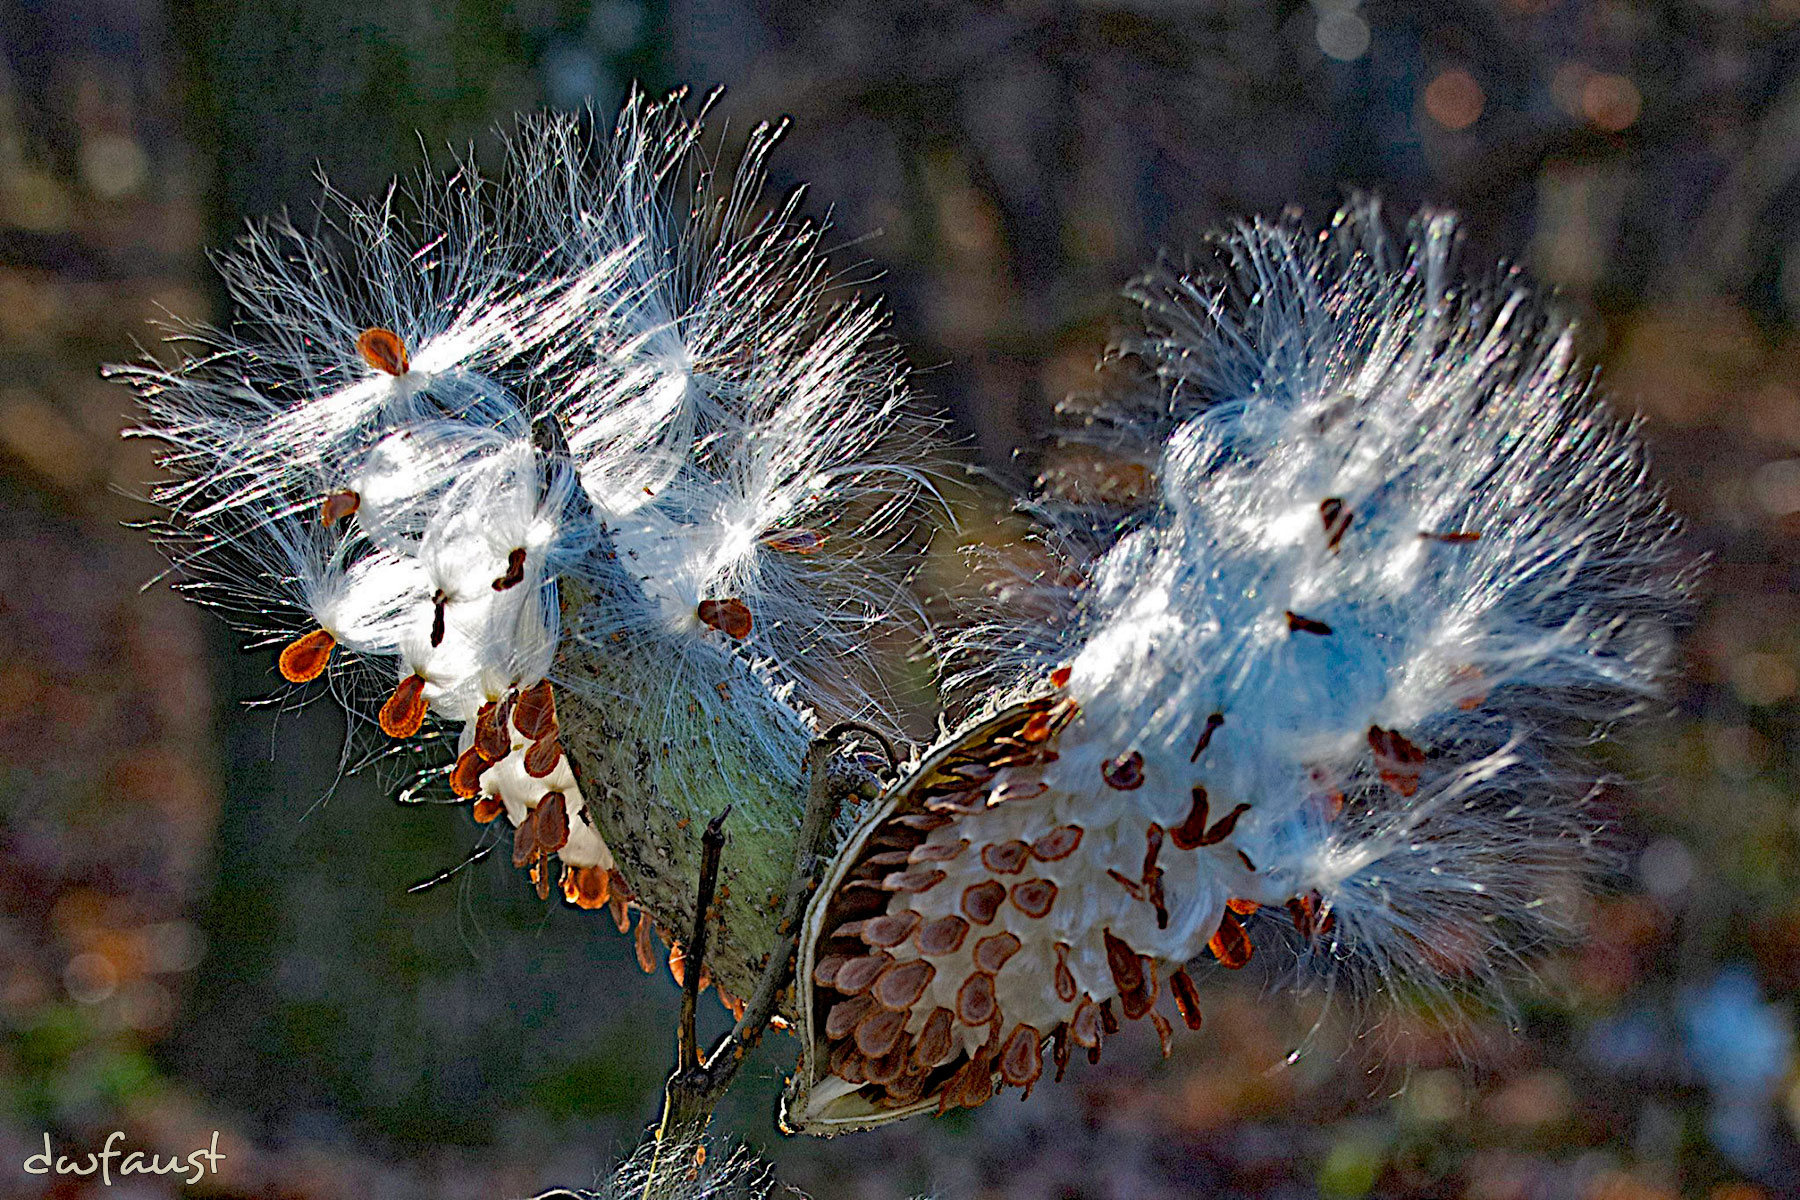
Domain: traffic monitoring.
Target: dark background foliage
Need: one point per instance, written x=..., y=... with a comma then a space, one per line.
x=202, y=927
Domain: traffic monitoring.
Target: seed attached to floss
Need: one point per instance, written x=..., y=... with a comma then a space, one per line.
x=1212, y=724
x=438, y=603
x=383, y=350
x=404, y=711
x=337, y=506
x=728, y=616
x=1299, y=624
x=515, y=570
x=1230, y=945
x=487, y=808
x=304, y=659
x=793, y=541
x=465, y=776
x=542, y=758
x=534, y=713
x=1125, y=772
x=1336, y=519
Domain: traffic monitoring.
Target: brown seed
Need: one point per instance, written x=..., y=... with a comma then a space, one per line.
x=977, y=1081
x=908, y=1087
x=1212, y=724
x=1242, y=907
x=540, y=878
x=855, y=976
x=944, y=935
x=646, y=953
x=1224, y=825
x=534, y=712
x=877, y=1032
x=1230, y=945
x=1065, y=979
x=552, y=815
x=465, y=776
x=935, y=1043
x=1453, y=537
x=1037, y=729
x=924, y=822
x=1336, y=519
x=981, y=901
x=1122, y=961
x=1022, y=1056
x=1125, y=772
x=1164, y=1034
x=542, y=758
x=304, y=659
x=826, y=969
x=337, y=506
x=1084, y=1026
x=1299, y=624
x=887, y=859
x=1191, y=833
x=848, y=1063
x=729, y=616
x=404, y=711
x=1059, y=1050
x=914, y=881
x=1108, y=1022
x=887, y=1068
x=1397, y=759
x=515, y=570
x=974, y=772
x=1302, y=909
x=619, y=899
x=1138, y=1002
x=585, y=887
x=1058, y=844
x=975, y=1001
x=487, y=808
x=792, y=541
x=1005, y=858
x=1060, y=677
x=992, y=952
x=490, y=734
x=383, y=350
x=937, y=851
x=890, y=930
x=439, y=603
x=1034, y=897
x=1187, y=997
x=902, y=983
x=844, y=1016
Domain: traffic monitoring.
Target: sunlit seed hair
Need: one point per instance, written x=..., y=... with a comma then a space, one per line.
x=1393, y=564
x=435, y=410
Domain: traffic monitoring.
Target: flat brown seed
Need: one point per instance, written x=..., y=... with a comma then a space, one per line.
x=465, y=776
x=1058, y=844
x=975, y=1003
x=1230, y=945
x=1037, y=729
x=1123, y=962
x=992, y=952
x=1299, y=624
x=981, y=901
x=337, y=506
x=534, y=712
x=1005, y=858
x=542, y=758
x=792, y=541
x=978, y=1084
x=1191, y=833
x=843, y=1016
x=1212, y=724
x=1108, y=1022
x=888, y=859
x=902, y=983
x=1140, y=1000
x=1022, y=1056
x=855, y=976
x=848, y=1063
x=1059, y=1050
x=826, y=969
x=887, y=1068
x=439, y=604
x=1164, y=1034
x=552, y=823
x=1187, y=997
x=1084, y=1026
x=890, y=930
x=1034, y=897
x=1222, y=828
x=1125, y=772
x=487, y=808
x=515, y=570
x=935, y=1042
x=914, y=881
x=646, y=953
x=877, y=1032
x=490, y=737
x=935, y=852
x=1336, y=519
x=944, y=935
x=924, y=822
x=404, y=711
x=304, y=659
x=729, y=616
x=383, y=350
x=1065, y=979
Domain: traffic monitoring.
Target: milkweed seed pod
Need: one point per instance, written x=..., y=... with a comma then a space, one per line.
x=588, y=468
x=1396, y=564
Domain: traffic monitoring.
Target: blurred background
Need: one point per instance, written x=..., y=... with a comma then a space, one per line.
x=202, y=929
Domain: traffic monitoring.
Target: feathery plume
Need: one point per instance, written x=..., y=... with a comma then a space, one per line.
x=1396, y=562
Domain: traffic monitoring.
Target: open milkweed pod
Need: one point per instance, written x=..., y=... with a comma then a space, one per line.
x=1397, y=567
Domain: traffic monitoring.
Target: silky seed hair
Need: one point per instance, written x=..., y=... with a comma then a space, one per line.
x=610, y=373
x=1325, y=685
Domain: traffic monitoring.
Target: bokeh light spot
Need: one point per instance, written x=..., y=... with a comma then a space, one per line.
x=1453, y=99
